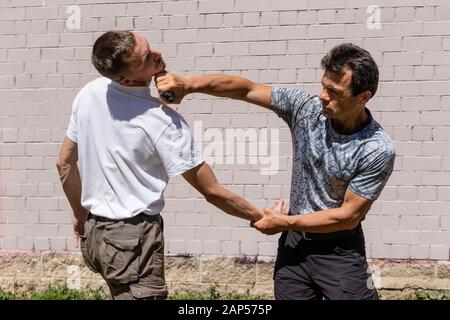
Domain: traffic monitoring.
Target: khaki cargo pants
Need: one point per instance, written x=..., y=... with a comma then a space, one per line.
x=128, y=254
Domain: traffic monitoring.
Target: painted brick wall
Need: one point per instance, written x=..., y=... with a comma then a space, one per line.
x=44, y=61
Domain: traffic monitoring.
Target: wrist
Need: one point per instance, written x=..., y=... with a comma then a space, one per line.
x=290, y=222
x=188, y=85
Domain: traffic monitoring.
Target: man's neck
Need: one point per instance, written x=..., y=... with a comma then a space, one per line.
x=136, y=84
x=351, y=125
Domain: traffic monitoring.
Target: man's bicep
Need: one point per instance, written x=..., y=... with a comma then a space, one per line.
x=69, y=151
x=202, y=178
x=259, y=94
x=356, y=206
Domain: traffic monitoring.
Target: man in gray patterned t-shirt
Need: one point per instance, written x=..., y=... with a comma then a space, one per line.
x=342, y=160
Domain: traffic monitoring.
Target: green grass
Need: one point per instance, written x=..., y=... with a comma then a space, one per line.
x=213, y=294
x=62, y=292
x=431, y=295
x=57, y=292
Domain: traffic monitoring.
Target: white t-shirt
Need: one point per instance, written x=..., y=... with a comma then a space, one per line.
x=129, y=144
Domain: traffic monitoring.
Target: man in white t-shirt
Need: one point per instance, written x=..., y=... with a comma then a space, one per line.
x=121, y=147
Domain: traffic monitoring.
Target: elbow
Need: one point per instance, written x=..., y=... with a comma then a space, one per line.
x=350, y=222
x=211, y=192
x=60, y=164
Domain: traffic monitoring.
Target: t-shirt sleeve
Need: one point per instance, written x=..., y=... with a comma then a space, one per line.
x=288, y=104
x=375, y=173
x=72, y=132
x=177, y=149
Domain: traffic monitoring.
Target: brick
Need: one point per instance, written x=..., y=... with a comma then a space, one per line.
x=283, y=62
x=248, y=62
x=383, y=44
x=74, y=66
x=17, y=230
x=253, y=34
x=435, y=237
x=427, y=193
x=266, y=248
x=216, y=6
x=419, y=252
x=326, y=31
x=419, y=223
x=404, y=88
x=380, y=251
x=153, y=9
x=444, y=193
x=45, y=13
x=421, y=163
x=436, y=58
x=193, y=219
x=42, y=40
x=402, y=58
x=42, y=230
x=434, y=207
x=404, y=14
x=8, y=14
x=40, y=67
x=230, y=247
x=422, y=43
x=399, y=251
x=212, y=247
x=48, y=203
x=249, y=248
x=435, y=28
x=213, y=63
x=288, y=32
x=231, y=49
x=269, y=18
x=175, y=247
x=424, y=73
x=25, y=244
x=247, y=6
x=213, y=233
x=109, y=10
x=20, y=55
x=58, y=244
x=180, y=36
x=226, y=220
x=288, y=18
x=214, y=21
x=425, y=13
x=41, y=244
x=439, y=252
x=436, y=148
x=445, y=223
x=305, y=46
x=263, y=48
x=283, y=5
x=76, y=39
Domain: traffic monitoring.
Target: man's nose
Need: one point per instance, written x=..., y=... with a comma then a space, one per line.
x=156, y=54
x=324, y=97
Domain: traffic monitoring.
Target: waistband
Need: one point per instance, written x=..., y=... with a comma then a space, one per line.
x=332, y=235
x=137, y=218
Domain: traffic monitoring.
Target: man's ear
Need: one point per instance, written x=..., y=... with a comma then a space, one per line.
x=364, y=97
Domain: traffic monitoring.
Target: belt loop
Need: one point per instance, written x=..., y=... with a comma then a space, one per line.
x=304, y=236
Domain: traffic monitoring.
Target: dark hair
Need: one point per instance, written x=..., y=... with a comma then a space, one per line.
x=109, y=52
x=364, y=69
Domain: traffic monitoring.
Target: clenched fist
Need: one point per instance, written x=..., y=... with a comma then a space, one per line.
x=168, y=82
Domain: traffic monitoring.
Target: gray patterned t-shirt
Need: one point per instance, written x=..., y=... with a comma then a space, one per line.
x=326, y=163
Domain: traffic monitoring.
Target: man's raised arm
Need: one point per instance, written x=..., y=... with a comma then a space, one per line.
x=219, y=85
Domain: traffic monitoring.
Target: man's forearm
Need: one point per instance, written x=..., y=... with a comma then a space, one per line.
x=71, y=183
x=234, y=205
x=219, y=85
x=331, y=220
